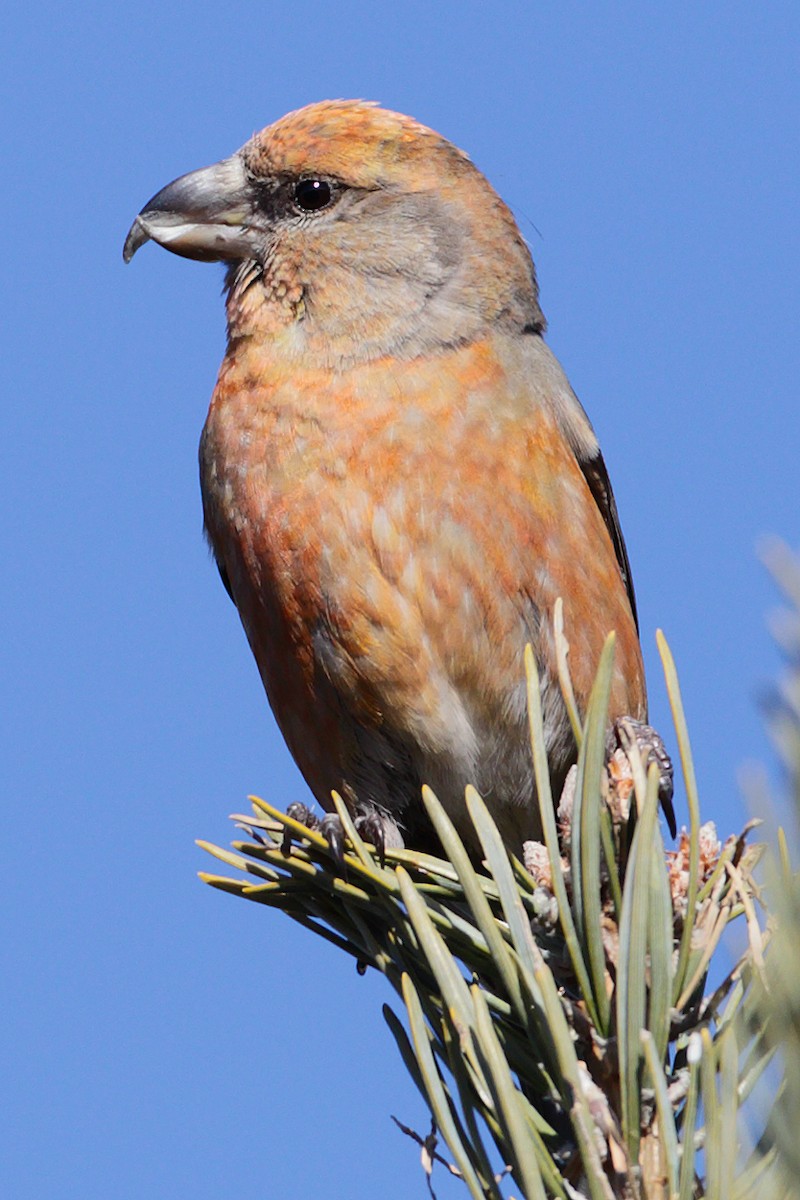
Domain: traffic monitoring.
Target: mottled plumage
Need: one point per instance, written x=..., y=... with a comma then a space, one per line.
x=398, y=481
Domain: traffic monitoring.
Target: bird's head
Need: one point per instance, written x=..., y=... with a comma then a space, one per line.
x=351, y=232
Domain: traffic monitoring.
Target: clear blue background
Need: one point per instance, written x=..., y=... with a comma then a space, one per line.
x=161, y=1039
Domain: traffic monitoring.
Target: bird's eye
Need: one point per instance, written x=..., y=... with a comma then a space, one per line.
x=312, y=194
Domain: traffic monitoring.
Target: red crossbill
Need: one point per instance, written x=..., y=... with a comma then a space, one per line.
x=398, y=481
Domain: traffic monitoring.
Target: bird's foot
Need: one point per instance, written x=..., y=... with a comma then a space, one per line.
x=370, y=826
x=627, y=731
x=305, y=816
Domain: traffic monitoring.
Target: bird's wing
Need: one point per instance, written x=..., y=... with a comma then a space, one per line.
x=226, y=583
x=577, y=429
x=596, y=475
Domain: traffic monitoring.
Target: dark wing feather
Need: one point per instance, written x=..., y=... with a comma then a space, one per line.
x=596, y=475
x=223, y=574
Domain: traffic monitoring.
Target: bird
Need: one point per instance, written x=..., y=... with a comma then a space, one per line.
x=398, y=481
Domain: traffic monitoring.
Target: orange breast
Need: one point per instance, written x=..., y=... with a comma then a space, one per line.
x=394, y=534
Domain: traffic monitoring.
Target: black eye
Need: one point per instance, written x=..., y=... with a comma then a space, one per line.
x=312, y=194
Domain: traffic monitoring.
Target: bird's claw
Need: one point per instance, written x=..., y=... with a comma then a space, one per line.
x=651, y=746
x=305, y=816
x=368, y=825
x=371, y=828
x=332, y=830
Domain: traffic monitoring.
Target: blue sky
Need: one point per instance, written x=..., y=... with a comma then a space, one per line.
x=160, y=1039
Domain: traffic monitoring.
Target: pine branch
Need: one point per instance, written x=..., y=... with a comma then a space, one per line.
x=555, y=1017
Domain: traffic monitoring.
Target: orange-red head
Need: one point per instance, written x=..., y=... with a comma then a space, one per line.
x=351, y=232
